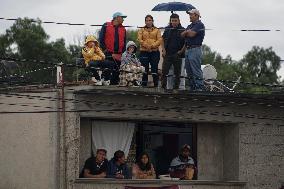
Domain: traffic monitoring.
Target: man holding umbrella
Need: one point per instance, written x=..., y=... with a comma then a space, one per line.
x=194, y=35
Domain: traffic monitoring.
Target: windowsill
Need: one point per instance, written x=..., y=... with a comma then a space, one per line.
x=158, y=181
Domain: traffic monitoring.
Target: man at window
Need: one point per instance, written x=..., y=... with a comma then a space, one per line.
x=95, y=167
x=117, y=167
x=182, y=166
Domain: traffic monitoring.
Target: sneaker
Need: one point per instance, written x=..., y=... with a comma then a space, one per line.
x=98, y=83
x=107, y=82
x=136, y=83
x=94, y=79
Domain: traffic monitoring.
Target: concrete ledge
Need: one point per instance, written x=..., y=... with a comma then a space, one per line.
x=159, y=182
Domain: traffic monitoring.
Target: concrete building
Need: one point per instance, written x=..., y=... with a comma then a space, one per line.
x=237, y=140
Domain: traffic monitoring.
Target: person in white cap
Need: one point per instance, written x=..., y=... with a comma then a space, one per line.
x=113, y=42
x=179, y=164
x=194, y=35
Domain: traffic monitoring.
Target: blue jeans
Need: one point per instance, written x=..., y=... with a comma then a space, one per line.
x=106, y=66
x=153, y=59
x=193, y=68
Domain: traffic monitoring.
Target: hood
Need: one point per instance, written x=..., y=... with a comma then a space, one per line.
x=131, y=43
x=91, y=38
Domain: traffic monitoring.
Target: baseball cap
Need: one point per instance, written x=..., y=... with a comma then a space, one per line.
x=185, y=146
x=118, y=14
x=101, y=149
x=193, y=11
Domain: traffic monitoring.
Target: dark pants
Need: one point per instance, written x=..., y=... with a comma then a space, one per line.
x=153, y=59
x=114, y=80
x=104, y=65
x=170, y=60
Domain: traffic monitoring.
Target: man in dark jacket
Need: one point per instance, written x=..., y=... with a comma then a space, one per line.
x=117, y=167
x=95, y=167
x=173, y=50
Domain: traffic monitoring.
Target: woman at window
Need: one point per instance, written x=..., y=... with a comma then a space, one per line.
x=143, y=169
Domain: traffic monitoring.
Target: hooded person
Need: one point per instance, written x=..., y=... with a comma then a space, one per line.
x=131, y=71
x=95, y=58
x=180, y=165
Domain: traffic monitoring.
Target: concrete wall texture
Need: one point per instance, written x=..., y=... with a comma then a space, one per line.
x=261, y=155
x=28, y=145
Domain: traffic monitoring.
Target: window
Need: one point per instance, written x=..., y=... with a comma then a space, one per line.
x=161, y=140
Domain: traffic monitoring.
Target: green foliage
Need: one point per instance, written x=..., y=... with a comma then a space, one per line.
x=29, y=37
x=80, y=74
x=131, y=35
x=260, y=65
x=26, y=39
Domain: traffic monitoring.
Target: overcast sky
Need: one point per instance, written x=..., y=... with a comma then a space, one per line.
x=224, y=17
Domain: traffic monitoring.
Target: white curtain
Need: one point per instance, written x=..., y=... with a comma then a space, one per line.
x=112, y=136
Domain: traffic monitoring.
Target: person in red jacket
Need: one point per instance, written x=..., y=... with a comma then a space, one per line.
x=113, y=42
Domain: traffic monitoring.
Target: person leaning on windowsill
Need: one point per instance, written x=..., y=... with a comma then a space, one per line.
x=117, y=167
x=143, y=168
x=95, y=167
x=183, y=166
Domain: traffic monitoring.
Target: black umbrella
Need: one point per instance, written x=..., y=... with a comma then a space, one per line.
x=173, y=6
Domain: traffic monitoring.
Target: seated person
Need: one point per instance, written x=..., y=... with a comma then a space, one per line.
x=143, y=169
x=117, y=167
x=131, y=71
x=182, y=166
x=95, y=167
x=94, y=57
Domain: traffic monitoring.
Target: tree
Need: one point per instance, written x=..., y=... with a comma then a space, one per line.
x=26, y=39
x=260, y=65
x=131, y=35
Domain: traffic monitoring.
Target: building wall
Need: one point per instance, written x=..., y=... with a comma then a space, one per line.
x=210, y=152
x=262, y=155
x=236, y=136
x=217, y=151
x=28, y=144
x=85, y=141
x=231, y=152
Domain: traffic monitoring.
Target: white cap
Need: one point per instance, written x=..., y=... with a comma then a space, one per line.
x=193, y=11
